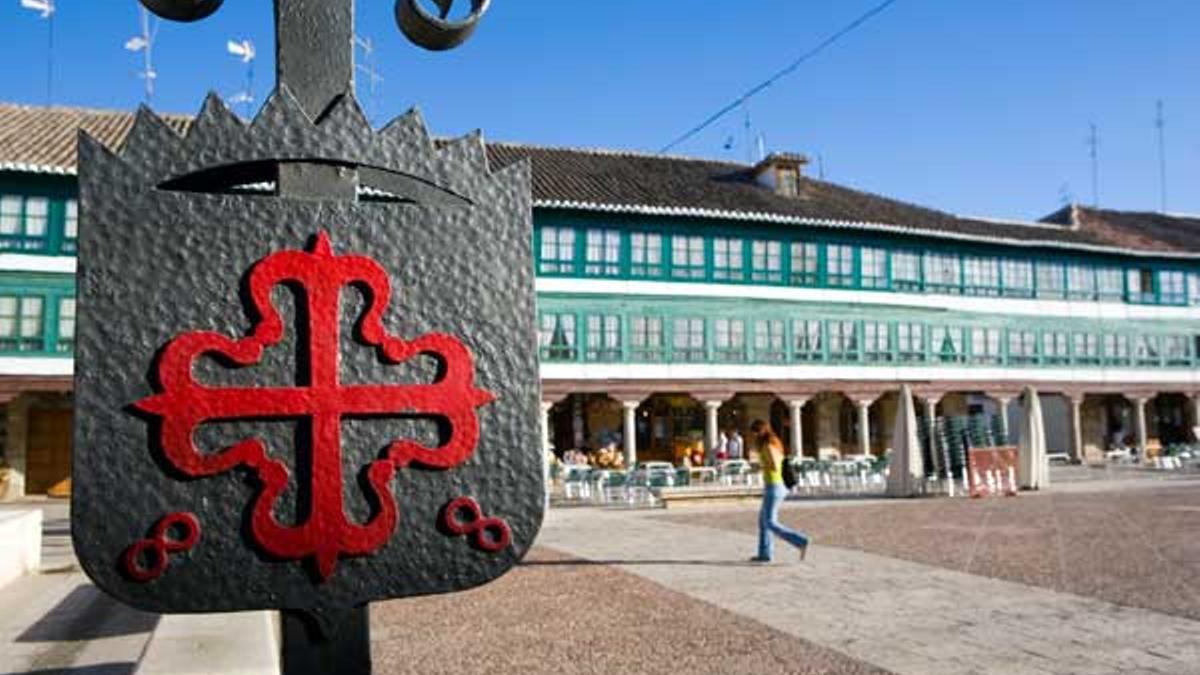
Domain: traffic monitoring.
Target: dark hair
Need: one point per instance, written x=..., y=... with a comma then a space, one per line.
x=764, y=433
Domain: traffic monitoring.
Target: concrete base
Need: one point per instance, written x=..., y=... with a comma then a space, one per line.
x=245, y=643
x=20, y=544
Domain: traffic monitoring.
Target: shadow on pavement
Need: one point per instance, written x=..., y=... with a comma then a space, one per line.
x=99, y=669
x=88, y=614
x=580, y=563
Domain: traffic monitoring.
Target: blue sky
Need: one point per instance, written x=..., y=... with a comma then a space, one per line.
x=973, y=107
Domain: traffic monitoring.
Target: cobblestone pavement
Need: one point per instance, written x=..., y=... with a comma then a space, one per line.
x=1129, y=545
x=905, y=617
x=557, y=615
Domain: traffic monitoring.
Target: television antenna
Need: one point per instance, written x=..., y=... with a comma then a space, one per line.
x=46, y=9
x=144, y=43
x=370, y=69
x=244, y=50
x=1160, y=123
x=1093, y=142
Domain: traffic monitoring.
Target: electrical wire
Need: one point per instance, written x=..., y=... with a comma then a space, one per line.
x=791, y=68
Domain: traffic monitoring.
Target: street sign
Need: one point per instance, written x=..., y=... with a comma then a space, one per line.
x=306, y=376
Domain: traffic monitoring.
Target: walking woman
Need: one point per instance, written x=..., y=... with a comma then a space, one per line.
x=770, y=454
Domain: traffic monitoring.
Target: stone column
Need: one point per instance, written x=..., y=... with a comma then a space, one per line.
x=630, y=432
x=710, y=426
x=547, y=445
x=931, y=432
x=17, y=445
x=796, y=406
x=864, y=427
x=1195, y=416
x=1077, y=428
x=1003, y=402
x=1139, y=424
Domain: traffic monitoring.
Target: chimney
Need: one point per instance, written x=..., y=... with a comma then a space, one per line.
x=781, y=171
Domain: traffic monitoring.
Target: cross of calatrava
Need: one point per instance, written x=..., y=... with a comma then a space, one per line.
x=318, y=397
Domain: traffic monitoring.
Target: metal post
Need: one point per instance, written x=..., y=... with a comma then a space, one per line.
x=309, y=650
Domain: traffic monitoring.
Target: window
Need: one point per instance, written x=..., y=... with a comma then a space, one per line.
x=982, y=275
x=1087, y=348
x=839, y=265
x=558, y=250
x=1194, y=288
x=1175, y=350
x=603, y=253
x=557, y=337
x=24, y=223
x=1051, y=280
x=1141, y=285
x=843, y=340
x=1017, y=278
x=1022, y=347
x=1116, y=350
x=985, y=346
x=910, y=341
x=1054, y=348
x=876, y=345
x=21, y=323
x=603, y=337
x=770, y=346
x=728, y=263
x=1110, y=284
x=766, y=261
x=1172, y=288
x=943, y=273
x=688, y=340
x=1081, y=282
x=805, y=264
x=906, y=271
x=729, y=337
x=806, y=336
x=874, y=268
x=70, y=226
x=10, y=214
x=645, y=255
x=646, y=338
x=687, y=257
x=1147, y=349
x=66, y=324
x=947, y=344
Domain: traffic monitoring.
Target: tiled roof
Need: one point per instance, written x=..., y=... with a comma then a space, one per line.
x=43, y=139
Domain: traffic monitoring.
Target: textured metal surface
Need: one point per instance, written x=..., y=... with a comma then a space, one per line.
x=410, y=271
x=156, y=263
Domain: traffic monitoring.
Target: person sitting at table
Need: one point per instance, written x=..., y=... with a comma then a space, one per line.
x=733, y=447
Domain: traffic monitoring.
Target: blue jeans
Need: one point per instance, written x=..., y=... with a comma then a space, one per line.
x=768, y=523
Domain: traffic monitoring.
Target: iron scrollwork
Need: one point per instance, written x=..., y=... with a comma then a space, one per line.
x=425, y=29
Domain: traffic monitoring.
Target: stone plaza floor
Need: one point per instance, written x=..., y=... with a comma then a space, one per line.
x=1068, y=581
x=1100, y=574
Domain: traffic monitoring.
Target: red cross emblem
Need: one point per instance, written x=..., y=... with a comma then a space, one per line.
x=318, y=396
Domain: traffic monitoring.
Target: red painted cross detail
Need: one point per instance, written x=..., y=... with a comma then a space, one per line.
x=184, y=404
